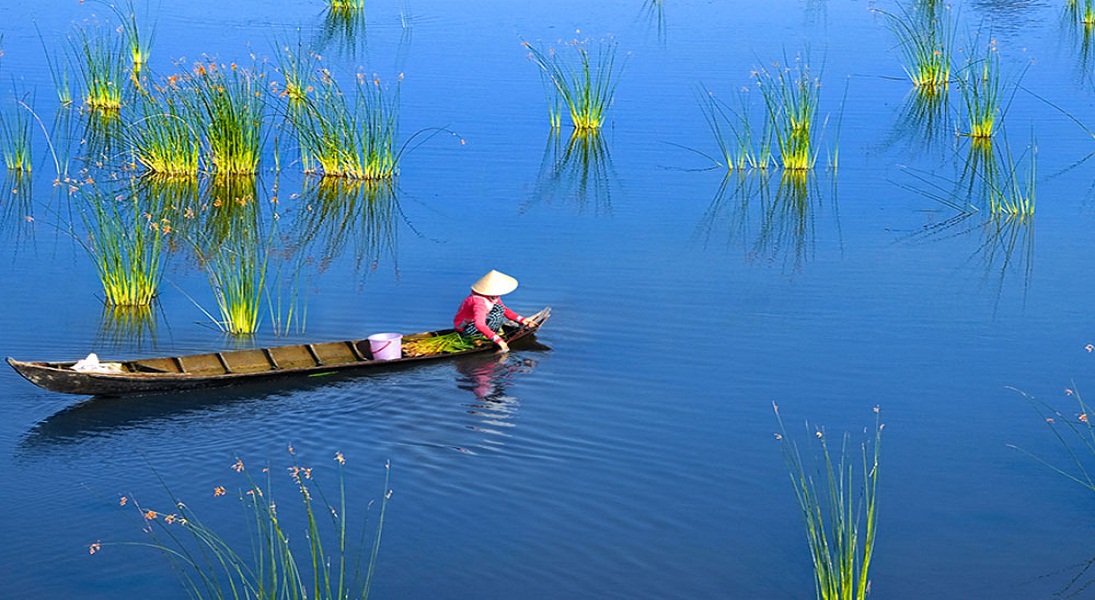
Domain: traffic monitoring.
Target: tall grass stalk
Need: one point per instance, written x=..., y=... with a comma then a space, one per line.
x=585, y=86
x=840, y=513
x=126, y=245
x=57, y=71
x=982, y=93
x=15, y=138
x=926, y=35
x=295, y=552
x=791, y=98
x=102, y=66
x=232, y=103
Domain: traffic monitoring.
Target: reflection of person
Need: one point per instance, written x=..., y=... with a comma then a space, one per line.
x=483, y=313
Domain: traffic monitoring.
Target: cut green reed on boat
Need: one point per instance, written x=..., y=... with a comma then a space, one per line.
x=231, y=102
x=126, y=244
x=100, y=61
x=162, y=137
x=585, y=84
x=840, y=512
x=296, y=550
x=791, y=97
x=349, y=136
x=925, y=33
x=15, y=137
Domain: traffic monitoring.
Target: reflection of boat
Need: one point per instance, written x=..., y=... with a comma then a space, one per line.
x=237, y=366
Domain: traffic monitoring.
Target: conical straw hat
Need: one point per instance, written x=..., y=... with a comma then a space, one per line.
x=494, y=284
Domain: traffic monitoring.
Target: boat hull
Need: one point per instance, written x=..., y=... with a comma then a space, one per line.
x=220, y=369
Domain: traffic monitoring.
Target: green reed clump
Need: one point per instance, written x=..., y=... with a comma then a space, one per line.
x=137, y=38
x=231, y=103
x=15, y=138
x=320, y=558
x=126, y=245
x=791, y=98
x=101, y=63
x=585, y=86
x=982, y=93
x=1015, y=194
x=163, y=137
x=840, y=512
x=345, y=4
x=237, y=273
x=739, y=146
x=349, y=136
x=926, y=35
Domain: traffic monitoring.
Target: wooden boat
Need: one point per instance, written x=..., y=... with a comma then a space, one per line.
x=215, y=369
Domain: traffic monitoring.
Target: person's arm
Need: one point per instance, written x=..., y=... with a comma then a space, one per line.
x=480, y=310
x=512, y=316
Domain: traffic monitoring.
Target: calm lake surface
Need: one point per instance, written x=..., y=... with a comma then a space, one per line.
x=635, y=458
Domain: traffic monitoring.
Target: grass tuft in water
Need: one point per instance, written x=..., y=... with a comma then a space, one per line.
x=15, y=137
x=584, y=86
x=138, y=39
x=163, y=137
x=126, y=245
x=926, y=35
x=101, y=64
x=297, y=550
x=231, y=103
x=982, y=93
x=791, y=98
x=740, y=147
x=351, y=136
x=840, y=512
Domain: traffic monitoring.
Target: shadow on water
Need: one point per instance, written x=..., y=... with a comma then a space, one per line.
x=579, y=172
x=125, y=327
x=489, y=378
x=339, y=213
x=774, y=221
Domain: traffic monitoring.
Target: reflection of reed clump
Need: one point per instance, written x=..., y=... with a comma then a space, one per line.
x=774, y=220
x=124, y=325
x=580, y=171
x=340, y=213
x=343, y=27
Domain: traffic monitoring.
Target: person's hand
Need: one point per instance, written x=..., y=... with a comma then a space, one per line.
x=503, y=347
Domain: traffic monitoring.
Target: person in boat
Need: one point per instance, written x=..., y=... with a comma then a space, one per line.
x=483, y=312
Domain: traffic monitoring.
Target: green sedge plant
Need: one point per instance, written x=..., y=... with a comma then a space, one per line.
x=740, y=146
x=125, y=242
x=163, y=136
x=229, y=103
x=295, y=551
x=583, y=85
x=925, y=33
x=791, y=96
x=840, y=510
x=15, y=137
x=101, y=64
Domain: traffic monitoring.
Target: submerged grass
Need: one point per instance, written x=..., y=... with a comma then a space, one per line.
x=320, y=559
x=585, y=87
x=126, y=245
x=840, y=513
